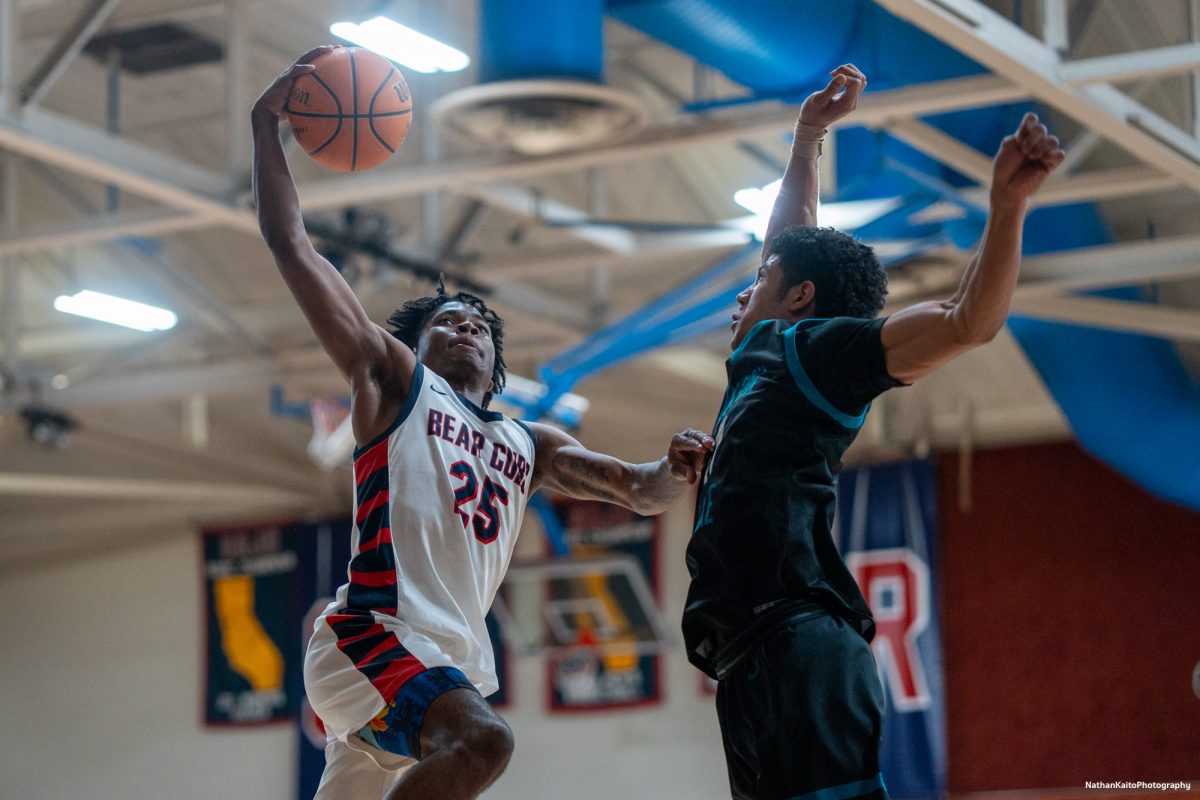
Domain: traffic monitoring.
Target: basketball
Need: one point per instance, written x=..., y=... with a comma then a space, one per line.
x=352, y=111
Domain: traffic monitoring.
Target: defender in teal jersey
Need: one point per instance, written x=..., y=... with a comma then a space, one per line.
x=772, y=612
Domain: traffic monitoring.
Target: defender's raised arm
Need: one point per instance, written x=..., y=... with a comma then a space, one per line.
x=798, y=193
x=919, y=339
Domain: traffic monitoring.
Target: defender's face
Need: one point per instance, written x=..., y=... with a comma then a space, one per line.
x=760, y=300
x=457, y=344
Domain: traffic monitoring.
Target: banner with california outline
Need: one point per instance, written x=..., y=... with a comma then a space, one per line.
x=250, y=597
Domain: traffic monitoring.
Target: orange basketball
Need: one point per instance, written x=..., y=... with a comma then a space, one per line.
x=352, y=111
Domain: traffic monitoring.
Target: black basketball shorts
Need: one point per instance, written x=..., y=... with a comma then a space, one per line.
x=802, y=714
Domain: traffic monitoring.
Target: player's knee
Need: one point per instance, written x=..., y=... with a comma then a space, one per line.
x=488, y=747
x=494, y=743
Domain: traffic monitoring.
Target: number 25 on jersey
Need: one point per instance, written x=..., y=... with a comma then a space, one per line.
x=484, y=519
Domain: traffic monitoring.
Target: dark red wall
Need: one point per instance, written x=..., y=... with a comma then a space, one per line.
x=1071, y=625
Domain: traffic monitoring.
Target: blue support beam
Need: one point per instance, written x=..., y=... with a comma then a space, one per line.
x=550, y=524
x=687, y=311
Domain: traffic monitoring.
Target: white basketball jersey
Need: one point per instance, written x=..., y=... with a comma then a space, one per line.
x=439, y=499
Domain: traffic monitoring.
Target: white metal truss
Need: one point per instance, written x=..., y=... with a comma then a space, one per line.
x=95, y=154
x=8, y=46
x=1111, y=265
x=30, y=484
x=952, y=152
x=1023, y=67
x=1055, y=32
x=1045, y=279
x=1129, y=66
x=69, y=45
x=92, y=153
x=1011, y=53
x=197, y=193
x=1178, y=324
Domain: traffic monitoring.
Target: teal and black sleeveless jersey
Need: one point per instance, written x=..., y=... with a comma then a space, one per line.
x=763, y=549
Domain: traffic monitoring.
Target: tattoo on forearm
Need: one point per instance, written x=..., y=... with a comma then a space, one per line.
x=577, y=474
x=581, y=468
x=575, y=485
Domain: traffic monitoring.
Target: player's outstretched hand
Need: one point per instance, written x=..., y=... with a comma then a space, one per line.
x=821, y=109
x=274, y=98
x=1025, y=160
x=688, y=453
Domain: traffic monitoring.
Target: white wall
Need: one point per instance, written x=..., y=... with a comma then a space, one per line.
x=100, y=693
x=100, y=686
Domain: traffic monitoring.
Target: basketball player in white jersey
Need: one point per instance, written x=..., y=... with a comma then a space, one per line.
x=399, y=662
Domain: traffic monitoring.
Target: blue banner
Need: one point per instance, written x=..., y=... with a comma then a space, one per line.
x=324, y=549
x=887, y=533
x=249, y=592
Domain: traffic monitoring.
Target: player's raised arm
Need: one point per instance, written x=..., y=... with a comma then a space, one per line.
x=361, y=349
x=798, y=193
x=919, y=339
x=564, y=465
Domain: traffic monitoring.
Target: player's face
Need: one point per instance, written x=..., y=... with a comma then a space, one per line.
x=457, y=344
x=760, y=300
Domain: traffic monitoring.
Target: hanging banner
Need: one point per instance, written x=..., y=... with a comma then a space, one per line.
x=600, y=615
x=887, y=534
x=502, y=697
x=250, y=601
x=324, y=549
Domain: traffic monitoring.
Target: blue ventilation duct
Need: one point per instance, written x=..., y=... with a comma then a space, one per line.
x=783, y=49
x=541, y=88
x=533, y=39
x=771, y=45
x=1127, y=397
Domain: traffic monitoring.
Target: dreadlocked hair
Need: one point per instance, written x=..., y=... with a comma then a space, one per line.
x=848, y=277
x=409, y=320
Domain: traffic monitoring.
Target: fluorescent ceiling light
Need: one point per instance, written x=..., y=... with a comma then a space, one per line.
x=843, y=216
x=402, y=44
x=758, y=201
x=116, y=310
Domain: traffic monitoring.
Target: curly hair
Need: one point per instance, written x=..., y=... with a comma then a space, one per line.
x=849, y=279
x=409, y=320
